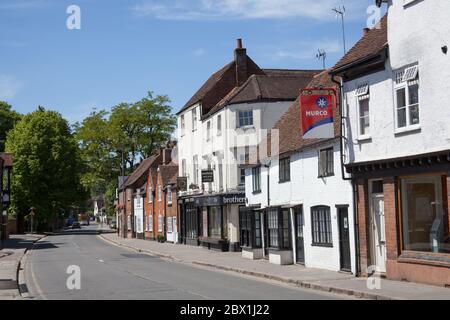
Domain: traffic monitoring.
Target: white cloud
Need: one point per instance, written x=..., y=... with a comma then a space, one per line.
x=9, y=87
x=300, y=50
x=199, y=52
x=245, y=9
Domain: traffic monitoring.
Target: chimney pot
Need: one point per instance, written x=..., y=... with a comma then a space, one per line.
x=239, y=43
x=366, y=31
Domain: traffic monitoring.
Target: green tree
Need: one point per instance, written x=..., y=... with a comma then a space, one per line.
x=47, y=167
x=8, y=118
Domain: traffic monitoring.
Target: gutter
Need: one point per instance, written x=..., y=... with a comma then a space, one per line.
x=352, y=179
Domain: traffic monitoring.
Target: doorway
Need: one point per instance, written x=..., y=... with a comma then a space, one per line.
x=344, y=239
x=377, y=226
x=299, y=238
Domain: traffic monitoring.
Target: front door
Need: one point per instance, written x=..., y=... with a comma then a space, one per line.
x=378, y=235
x=344, y=239
x=300, y=243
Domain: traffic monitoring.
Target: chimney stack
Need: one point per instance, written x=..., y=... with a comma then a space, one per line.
x=240, y=58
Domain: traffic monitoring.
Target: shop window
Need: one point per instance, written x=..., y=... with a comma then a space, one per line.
x=215, y=222
x=321, y=226
x=424, y=222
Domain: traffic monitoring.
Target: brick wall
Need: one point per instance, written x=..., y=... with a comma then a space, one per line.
x=390, y=215
x=363, y=221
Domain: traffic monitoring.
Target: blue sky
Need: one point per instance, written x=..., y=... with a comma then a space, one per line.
x=128, y=47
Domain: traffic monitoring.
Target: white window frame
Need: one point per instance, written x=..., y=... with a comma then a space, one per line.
x=194, y=119
x=159, y=193
x=401, y=81
x=208, y=130
x=195, y=170
x=246, y=114
x=182, y=125
x=169, y=195
x=150, y=223
x=219, y=125
x=362, y=93
x=150, y=194
x=160, y=222
x=183, y=168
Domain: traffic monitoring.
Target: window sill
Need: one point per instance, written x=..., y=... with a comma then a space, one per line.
x=425, y=258
x=285, y=181
x=257, y=192
x=365, y=138
x=322, y=245
x=245, y=128
x=406, y=130
x=275, y=250
x=326, y=176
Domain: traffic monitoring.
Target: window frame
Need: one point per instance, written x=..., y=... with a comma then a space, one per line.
x=194, y=119
x=169, y=195
x=183, y=125
x=150, y=194
x=284, y=170
x=362, y=93
x=329, y=159
x=208, y=130
x=219, y=125
x=280, y=229
x=245, y=119
x=159, y=193
x=401, y=84
x=256, y=179
x=324, y=227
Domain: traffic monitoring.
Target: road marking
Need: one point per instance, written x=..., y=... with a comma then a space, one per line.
x=101, y=261
x=33, y=275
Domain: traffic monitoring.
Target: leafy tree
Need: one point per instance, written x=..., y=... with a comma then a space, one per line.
x=47, y=167
x=8, y=118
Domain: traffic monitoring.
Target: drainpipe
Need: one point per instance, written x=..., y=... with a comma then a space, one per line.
x=267, y=166
x=352, y=179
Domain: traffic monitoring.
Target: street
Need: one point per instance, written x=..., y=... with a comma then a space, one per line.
x=109, y=272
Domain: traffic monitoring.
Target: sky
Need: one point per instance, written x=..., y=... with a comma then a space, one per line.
x=126, y=48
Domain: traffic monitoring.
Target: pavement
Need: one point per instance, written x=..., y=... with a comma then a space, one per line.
x=294, y=275
x=10, y=262
x=78, y=265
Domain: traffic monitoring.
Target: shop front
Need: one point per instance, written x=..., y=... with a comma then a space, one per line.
x=405, y=207
x=220, y=221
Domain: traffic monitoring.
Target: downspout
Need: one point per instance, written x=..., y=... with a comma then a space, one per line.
x=352, y=179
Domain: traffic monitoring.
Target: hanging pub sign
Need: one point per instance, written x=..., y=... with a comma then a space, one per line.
x=207, y=176
x=316, y=107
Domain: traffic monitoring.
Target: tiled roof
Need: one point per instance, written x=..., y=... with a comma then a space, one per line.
x=140, y=174
x=289, y=125
x=7, y=158
x=283, y=86
x=169, y=174
x=219, y=85
x=370, y=44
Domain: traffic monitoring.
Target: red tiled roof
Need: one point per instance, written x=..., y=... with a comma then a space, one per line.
x=289, y=125
x=169, y=174
x=370, y=44
x=219, y=85
x=283, y=86
x=138, y=177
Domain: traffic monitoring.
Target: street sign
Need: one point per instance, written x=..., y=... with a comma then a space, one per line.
x=207, y=176
x=182, y=183
x=316, y=107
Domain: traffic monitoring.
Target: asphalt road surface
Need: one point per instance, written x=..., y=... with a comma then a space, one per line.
x=110, y=272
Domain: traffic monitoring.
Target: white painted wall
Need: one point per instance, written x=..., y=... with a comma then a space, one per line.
x=306, y=188
x=416, y=33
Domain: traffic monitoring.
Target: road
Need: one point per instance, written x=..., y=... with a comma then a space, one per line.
x=110, y=272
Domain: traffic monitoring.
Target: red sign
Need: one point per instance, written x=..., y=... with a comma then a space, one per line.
x=316, y=107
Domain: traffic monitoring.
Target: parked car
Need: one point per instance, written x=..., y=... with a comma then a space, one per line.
x=76, y=225
x=113, y=225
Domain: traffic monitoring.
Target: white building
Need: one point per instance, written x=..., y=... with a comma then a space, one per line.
x=219, y=129
x=299, y=207
x=395, y=84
